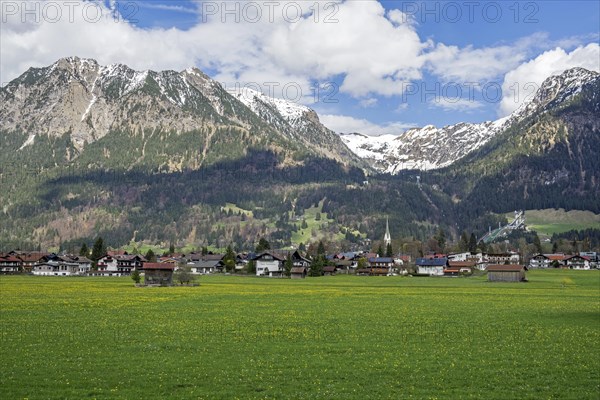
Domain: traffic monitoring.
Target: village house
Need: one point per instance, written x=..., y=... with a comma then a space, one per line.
x=10, y=264
x=459, y=256
x=402, y=259
x=118, y=264
x=205, y=267
x=457, y=268
x=268, y=264
x=30, y=258
x=57, y=268
x=300, y=261
x=431, y=266
x=548, y=260
x=84, y=263
x=241, y=262
x=298, y=272
x=578, y=262
x=380, y=265
x=329, y=270
x=345, y=266
x=506, y=273
x=502, y=258
x=158, y=274
x=381, y=262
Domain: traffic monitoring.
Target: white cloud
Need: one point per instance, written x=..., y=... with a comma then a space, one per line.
x=470, y=64
x=455, y=104
x=520, y=83
x=370, y=102
x=169, y=7
x=347, y=124
x=369, y=50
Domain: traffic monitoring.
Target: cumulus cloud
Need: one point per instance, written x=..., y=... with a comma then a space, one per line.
x=347, y=124
x=289, y=45
x=469, y=64
x=455, y=104
x=520, y=83
x=370, y=50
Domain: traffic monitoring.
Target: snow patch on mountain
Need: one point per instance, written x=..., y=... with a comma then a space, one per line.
x=292, y=112
x=30, y=140
x=432, y=148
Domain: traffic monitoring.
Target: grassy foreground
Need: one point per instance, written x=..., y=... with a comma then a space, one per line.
x=340, y=337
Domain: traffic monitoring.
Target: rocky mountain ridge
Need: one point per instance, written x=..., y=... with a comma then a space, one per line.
x=431, y=148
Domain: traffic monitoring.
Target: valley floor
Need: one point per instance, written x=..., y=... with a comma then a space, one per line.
x=341, y=337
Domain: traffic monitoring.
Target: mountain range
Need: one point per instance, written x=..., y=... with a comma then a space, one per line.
x=173, y=156
x=87, y=101
x=430, y=148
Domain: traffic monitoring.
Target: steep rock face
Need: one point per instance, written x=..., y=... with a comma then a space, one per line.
x=87, y=101
x=297, y=122
x=546, y=157
x=430, y=148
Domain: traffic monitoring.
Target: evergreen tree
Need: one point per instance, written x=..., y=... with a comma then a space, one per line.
x=288, y=265
x=463, y=244
x=84, y=251
x=171, y=248
x=472, y=243
x=554, y=247
x=316, y=268
x=263, y=245
x=380, y=252
x=302, y=247
x=135, y=275
x=229, y=259
x=440, y=237
x=321, y=249
x=304, y=224
x=362, y=263
x=98, y=251
x=388, y=251
x=318, y=217
x=251, y=267
x=204, y=250
x=150, y=256
x=537, y=244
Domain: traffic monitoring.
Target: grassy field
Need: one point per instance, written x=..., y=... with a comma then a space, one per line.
x=549, y=221
x=342, y=337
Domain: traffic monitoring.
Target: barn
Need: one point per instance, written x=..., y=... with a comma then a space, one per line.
x=506, y=273
x=298, y=272
x=158, y=274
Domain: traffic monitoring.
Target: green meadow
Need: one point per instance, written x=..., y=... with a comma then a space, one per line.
x=341, y=337
x=549, y=221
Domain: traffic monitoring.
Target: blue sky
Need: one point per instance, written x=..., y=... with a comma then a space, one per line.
x=381, y=66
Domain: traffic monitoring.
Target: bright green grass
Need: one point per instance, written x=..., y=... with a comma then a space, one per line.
x=342, y=337
x=305, y=235
x=550, y=221
x=234, y=208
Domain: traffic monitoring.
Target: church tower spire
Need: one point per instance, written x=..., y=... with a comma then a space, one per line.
x=387, y=238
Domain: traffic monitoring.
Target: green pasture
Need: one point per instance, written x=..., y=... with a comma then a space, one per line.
x=341, y=337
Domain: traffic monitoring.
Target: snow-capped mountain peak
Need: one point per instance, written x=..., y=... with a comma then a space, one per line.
x=432, y=148
x=255, y=100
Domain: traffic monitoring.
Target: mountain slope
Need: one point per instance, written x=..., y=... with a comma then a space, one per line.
x=86, y=101
x=91, y=149
x=547, y=157
x=433, y=148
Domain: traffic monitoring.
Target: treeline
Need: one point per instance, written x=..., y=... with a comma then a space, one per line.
x=589, y=238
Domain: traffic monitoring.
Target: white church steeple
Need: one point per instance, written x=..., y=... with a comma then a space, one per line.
x=387, y=238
